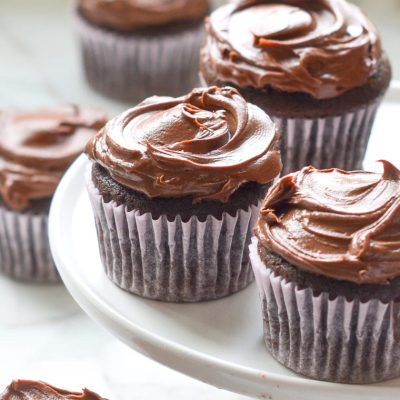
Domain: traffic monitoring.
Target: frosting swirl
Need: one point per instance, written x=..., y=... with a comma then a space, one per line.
x=36, y=147
x=322, y=48
x=343, y=225
x=32, y=390
x=129, y=15
x=205, y=144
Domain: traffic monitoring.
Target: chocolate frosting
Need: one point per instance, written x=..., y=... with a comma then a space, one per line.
x=130, y=15
x=36, y=147
x=32, y=390
x=343, y=225
x=321, y=47
x=205, y=144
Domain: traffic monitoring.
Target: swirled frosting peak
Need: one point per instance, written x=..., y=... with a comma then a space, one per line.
x=205, y=144
x=130, y=15
x=36, y=147
x=36, y=390
x=343, y=225
x=320, y=47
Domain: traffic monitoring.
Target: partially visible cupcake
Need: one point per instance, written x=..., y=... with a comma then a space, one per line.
x=37, y=390
x=327, y=263
x=176, y=185
x=133, y=49
x=316, y=67
x=36, y=148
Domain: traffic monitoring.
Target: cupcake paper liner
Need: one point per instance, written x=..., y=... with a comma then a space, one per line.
x=174, y=261
x=24, y=247
x=132, y=67
x=327, y=339
x=339, y=141
x=333, y=142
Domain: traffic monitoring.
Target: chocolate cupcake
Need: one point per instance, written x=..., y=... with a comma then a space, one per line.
x=176, y=186
x=36, y=390
x=316, y=67
x=133, y=49
x=36, y=147
x=327, y=265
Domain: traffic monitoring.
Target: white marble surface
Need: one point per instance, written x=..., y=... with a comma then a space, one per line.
x=43, y=334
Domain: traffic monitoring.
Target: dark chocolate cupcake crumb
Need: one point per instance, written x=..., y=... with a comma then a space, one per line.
x=302, y=105
x=249, y=193
x=321, y=284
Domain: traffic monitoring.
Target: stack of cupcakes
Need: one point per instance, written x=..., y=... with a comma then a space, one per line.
x=177, y=183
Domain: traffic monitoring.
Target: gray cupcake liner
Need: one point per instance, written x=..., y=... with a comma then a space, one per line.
x=333, y=340
x=174, y=261
x=333, y=142
x=24, y=247
x=132, y=67
x=339, y=141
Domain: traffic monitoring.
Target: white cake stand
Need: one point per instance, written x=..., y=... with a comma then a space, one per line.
x=218, y=342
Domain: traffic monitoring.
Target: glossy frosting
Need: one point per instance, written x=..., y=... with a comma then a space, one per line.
x=205, y=144
x=343, y=225
x=320, y=47
x=32, y=390
x=36, y=147
x=129, y=15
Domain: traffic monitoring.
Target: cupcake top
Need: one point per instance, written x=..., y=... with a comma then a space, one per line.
x=36, y=147
x=342, y=225
x=322, y=47
x=32, y=390
x=130, y=15
x=205, y=145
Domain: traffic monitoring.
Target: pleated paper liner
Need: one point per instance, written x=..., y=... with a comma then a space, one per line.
x=333, y=340
x=175, y=261
x=24, y=247
x=340, y=141
x=333, y=142
x=132, y=67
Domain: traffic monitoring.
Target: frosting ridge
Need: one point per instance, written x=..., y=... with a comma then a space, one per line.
x=36, y=390
x=205, y=144
x=343, y=225
x=36, y=147
x=129, y=15
x=322, y=48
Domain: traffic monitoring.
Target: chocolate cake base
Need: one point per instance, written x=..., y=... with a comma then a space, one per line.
x=248, y=194
x=24, y=245
x=301, y=105
x=323, y=133
x=333, y=287
x=325, y=329
x=171, y=249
